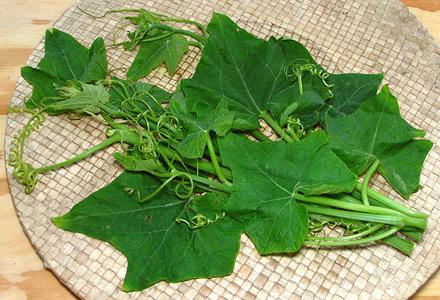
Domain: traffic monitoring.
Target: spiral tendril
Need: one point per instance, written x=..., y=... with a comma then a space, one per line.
x=293, y=71
x=199, y=220
x=24, y=172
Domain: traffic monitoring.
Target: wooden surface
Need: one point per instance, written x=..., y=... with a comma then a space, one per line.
x=22, y=24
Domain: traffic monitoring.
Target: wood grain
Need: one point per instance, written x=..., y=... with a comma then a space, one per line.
x=22, y=274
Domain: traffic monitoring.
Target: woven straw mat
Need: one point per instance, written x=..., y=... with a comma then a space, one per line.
x=344, y=36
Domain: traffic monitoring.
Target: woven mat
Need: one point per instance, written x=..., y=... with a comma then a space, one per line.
x=344, y=36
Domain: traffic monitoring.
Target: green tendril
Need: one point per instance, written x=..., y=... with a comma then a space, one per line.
x=294, y=72
x=294, y=126
x=199, y=221
x=188, y=186
x=20, y=109
x=24, y=172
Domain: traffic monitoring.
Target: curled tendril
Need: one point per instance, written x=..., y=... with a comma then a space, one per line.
x=293, y=71
x=23, y=171
x=186, y=184
x=199, y=220
x=166, y=121
x=20, y=109
x=295, y=125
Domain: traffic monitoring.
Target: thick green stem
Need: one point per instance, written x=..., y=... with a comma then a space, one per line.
x=211, y=183
x=376, y=237
x=104, y=144
x=190, y=34
x=215, y=164
x=257, y=134
x=367, y=178
x=200, y=164
x=367, y=217
x=277, y=128
x=348, y=206
x=391, y=203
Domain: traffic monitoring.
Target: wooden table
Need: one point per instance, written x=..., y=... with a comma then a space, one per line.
x=22, y=24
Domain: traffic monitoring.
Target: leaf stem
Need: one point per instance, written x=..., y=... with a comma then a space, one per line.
x=367, y=217
x=277, y=128
x=257, y=134
x=368, y=231
x=186, y=21
x=190, y=34
x=214, y=161
x=201, y=164
x=391, y=203
x=370, y=172
x=383, y=234
x=104, y=144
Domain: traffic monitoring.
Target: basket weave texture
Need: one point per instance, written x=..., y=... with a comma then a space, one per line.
x=344, y=36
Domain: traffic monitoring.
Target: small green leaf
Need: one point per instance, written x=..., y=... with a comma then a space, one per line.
x=197, y=127
x=152, y=54
x=90, y=99
x=266, y=177
x=156, y=246
x=376, y=131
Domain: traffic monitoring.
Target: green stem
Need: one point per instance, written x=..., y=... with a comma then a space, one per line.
x=211, y=183
x=277, y=128
x=214, y=161
x=367, y=217
x=300, y=84
x=402, y=245
x=190, y=34
x=383, y=234
x=390, y=203
x=186, y=21
x=370, y=230
x=348, y=206
x=370, y=172
x=104, y=144
x=200, y=164
x=257, y=134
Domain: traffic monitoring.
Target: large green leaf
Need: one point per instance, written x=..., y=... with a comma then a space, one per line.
x=157, y=247
x=152, y=54
x=376, y=131
x=237, y=67
x=65, y=59
x=197, y=128
x=266, y=177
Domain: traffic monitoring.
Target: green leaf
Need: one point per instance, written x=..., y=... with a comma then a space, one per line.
x=266, y=177
x=131, y=162
x=152, y=54
x=156, y=246
x=376, y=131
x=237, y=67
x=90, y=99
x=65, y=59
x=198, y=127
x=136, y=97
x=351, y=90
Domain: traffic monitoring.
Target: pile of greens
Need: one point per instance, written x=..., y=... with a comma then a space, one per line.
x=199, y=172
